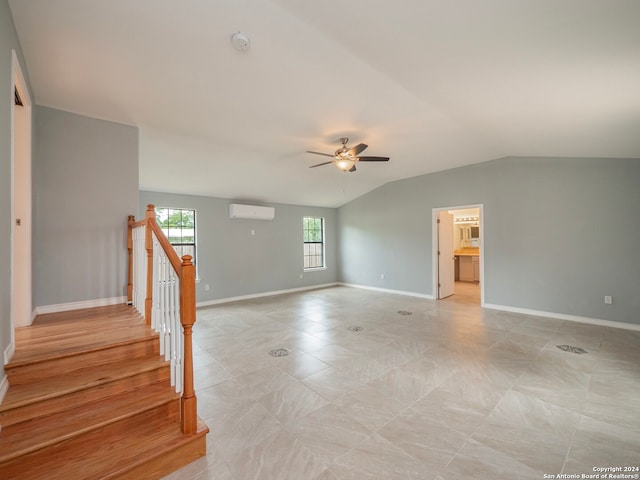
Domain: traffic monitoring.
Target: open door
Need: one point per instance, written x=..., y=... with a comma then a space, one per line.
x=21, y=302
x=446, y=261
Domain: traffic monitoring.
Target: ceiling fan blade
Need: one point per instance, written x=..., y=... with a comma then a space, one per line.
x=352, y=169
x=373, y=159
x=320, y=164
x=357, y=149
x=319, y=153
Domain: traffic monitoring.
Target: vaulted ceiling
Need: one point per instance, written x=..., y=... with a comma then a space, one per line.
x=434, y=84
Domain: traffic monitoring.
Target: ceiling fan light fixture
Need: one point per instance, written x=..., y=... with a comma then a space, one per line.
x=345, y=163
x=345, y=158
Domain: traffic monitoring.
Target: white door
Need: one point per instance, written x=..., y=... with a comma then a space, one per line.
x=21, y=193
x=446, y=262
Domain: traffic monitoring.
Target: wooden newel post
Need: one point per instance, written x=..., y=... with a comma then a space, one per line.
x=188, y=318
x=130, y=221
x=150, y=216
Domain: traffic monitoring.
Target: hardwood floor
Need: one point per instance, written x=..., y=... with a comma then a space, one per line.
x=90, y=398
x=466, y=293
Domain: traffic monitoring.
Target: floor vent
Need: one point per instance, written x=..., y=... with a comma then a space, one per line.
x=355, y=328
x=279, y=352
x=572, y=349
x=404, y=312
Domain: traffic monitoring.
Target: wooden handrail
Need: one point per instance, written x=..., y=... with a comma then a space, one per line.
x=139, y=223
x=185, y=271
x=176, y=263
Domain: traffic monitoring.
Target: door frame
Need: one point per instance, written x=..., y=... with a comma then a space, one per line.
x=21, y=175
x=434, y=243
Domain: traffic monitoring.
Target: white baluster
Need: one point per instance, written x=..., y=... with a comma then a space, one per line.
x=166, y=297
x=165, y=308
x=155, y=293
x=180, y=346
x=170, y=315
x=177, y=337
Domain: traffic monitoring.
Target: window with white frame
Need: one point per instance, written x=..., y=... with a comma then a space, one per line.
x=313, y=237
x=179, y=225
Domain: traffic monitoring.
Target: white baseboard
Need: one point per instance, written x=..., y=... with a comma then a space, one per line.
x=63, y=307
x=388, y=290
x=564, y=316
x=526, y=311
x=9, y=351
x=263, y=294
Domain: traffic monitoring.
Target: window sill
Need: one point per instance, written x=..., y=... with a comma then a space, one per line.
x=316, y=269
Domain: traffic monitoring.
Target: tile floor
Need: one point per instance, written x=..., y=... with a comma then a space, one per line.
x=451, y=391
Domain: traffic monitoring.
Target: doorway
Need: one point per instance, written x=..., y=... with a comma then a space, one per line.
x=21, y=216
x=458, y=254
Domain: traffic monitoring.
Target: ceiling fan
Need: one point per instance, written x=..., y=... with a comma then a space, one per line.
x=345, y=158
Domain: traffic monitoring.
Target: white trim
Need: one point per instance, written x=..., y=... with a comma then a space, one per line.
x=4, y=387
x=9, y=351
x=564, y=316
x=263, y=294
x=388, y=290
x=63, y=307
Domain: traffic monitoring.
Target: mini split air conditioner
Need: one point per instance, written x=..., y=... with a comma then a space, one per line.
x=253, y=212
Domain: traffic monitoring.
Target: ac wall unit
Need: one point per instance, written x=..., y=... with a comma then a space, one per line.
x=253, y=212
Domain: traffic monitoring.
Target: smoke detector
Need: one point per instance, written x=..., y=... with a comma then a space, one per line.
x=240, y=41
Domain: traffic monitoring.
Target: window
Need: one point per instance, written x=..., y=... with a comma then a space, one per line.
x=313, y=235
x=179, y=225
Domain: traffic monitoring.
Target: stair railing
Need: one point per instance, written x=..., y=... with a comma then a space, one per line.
x=162, y=287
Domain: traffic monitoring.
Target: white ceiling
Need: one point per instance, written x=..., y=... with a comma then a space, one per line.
x=434, y=84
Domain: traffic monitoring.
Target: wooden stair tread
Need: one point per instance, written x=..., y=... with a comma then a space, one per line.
x=29, y=436
x=106, y=460
x=72, y=334
x=72, y=316
x=19, y=395
x=71, y=345
x=40, y=329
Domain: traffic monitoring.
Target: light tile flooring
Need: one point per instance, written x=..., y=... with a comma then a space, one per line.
x=451, y=391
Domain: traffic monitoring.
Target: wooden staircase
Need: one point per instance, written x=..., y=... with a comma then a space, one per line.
x=90, y=398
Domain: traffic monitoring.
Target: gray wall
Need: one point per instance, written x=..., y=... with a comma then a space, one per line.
x=234, y=263
x=85, y=185
x=8, y=41
x=559, y=233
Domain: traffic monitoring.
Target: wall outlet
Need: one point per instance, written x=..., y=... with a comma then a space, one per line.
x=608, y=300
x=206, y=287
x=301, y=275
x=382, y=276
